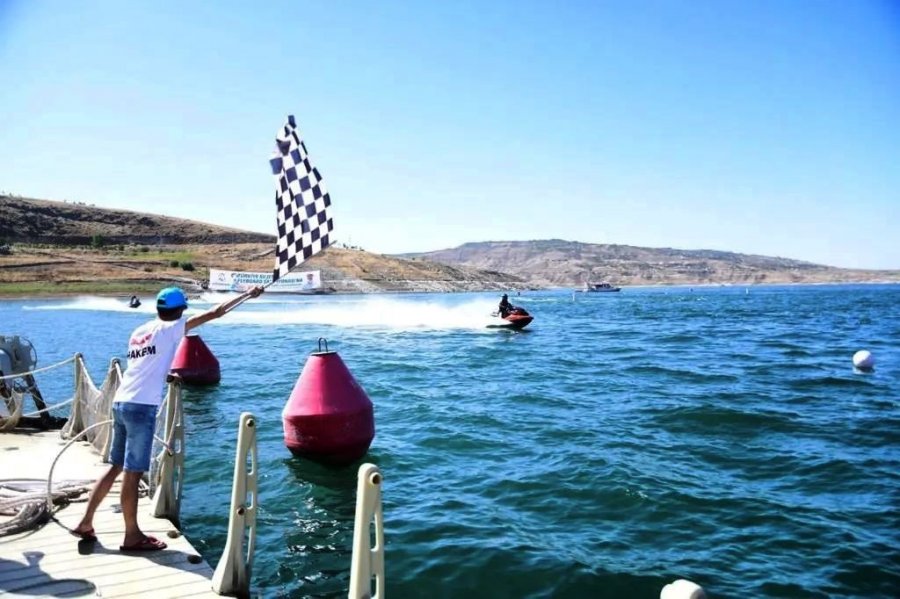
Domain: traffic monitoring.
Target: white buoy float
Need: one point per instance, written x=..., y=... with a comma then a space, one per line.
x=682, y=589
x=864, y=361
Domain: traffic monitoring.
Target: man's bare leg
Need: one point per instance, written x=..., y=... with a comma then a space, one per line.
x=129, y=497
x=100, y=491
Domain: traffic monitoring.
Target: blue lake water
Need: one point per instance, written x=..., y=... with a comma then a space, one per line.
x=620, y=442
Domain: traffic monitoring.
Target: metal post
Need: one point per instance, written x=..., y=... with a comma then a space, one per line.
x=44, y=420
x=114, y=375
x=167, y=498
x=367, y=561
x=232, y=575
x=76, y=421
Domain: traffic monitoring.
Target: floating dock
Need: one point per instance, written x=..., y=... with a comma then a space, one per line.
x=48, y=560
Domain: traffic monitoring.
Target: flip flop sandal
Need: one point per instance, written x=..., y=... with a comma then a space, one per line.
x=84, y=535
x=145, y=544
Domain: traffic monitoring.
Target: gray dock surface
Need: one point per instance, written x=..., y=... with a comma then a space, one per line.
x=49, y=561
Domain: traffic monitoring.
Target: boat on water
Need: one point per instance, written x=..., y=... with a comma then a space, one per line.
x=517, y=318
x=599, y=288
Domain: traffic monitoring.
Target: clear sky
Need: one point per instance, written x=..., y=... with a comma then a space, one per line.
x=760, y=127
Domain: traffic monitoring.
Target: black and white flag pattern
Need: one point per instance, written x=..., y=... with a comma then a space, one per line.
x=303, y=221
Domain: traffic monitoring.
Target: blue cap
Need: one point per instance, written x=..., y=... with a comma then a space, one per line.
x=171, y=297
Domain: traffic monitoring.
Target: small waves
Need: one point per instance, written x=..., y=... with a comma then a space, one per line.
x=829, y=383
x=661, y=434
x=720, y=420
x=682, y=375
x=679, y=338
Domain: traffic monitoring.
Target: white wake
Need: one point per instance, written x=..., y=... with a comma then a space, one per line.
x=343, y=311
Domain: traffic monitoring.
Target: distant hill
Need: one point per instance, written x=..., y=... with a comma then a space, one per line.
x=556, y=262
x=28, y=220
x=52, y=253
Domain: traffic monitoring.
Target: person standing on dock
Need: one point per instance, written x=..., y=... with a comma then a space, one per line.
x=151, y=349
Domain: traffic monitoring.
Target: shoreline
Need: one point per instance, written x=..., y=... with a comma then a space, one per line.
x=30, y=271
x=56, y=295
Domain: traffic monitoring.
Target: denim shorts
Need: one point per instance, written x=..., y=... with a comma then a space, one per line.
x=133, y=426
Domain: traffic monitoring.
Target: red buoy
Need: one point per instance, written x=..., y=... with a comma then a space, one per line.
x=328, y=418
x=195, y=363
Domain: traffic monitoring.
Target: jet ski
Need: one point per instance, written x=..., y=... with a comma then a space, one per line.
x=517, y=318
x=134, y=303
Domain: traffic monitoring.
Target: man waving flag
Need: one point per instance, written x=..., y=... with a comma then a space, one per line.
x=302, y=202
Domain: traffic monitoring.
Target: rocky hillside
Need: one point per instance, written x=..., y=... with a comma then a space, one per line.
x=27, y=220
x=556, y=262
x=61, y=248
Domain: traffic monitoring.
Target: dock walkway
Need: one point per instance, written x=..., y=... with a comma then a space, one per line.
x=49, y=561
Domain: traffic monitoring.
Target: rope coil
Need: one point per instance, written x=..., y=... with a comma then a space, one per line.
x=25, y=501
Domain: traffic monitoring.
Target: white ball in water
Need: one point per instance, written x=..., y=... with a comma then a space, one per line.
x=682, y=589
x=864, y=360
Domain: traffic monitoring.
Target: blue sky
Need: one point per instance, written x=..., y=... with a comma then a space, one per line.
x=760, y=127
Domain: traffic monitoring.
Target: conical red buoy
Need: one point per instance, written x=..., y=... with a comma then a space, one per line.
x=328, y=418
x=195, y=363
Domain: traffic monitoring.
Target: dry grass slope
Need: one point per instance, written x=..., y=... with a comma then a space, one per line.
x=28, y=220
x=51, y=253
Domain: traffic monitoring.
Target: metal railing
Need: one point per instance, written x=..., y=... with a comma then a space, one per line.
x=169, y=485
x=232, y=575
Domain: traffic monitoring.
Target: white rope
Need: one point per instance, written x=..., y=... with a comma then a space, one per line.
x=33, y=506
x=29, y=508
x=56, y=459
x=30, y=490
x=37, y=370
x=47, y=409
x=166, y=446
x=166, y=443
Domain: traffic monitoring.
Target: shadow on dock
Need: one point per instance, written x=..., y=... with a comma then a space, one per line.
x=31, y=580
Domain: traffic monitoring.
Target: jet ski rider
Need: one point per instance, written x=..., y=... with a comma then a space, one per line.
x=505, y=307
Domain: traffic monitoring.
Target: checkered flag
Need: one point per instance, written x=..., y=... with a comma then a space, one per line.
x=303, y=222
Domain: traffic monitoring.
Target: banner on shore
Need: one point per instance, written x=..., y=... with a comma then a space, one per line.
x=295, y=282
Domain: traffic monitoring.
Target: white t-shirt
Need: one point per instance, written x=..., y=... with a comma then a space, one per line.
x=150, y=351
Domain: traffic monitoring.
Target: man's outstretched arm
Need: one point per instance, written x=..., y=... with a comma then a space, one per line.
x=221, y=310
